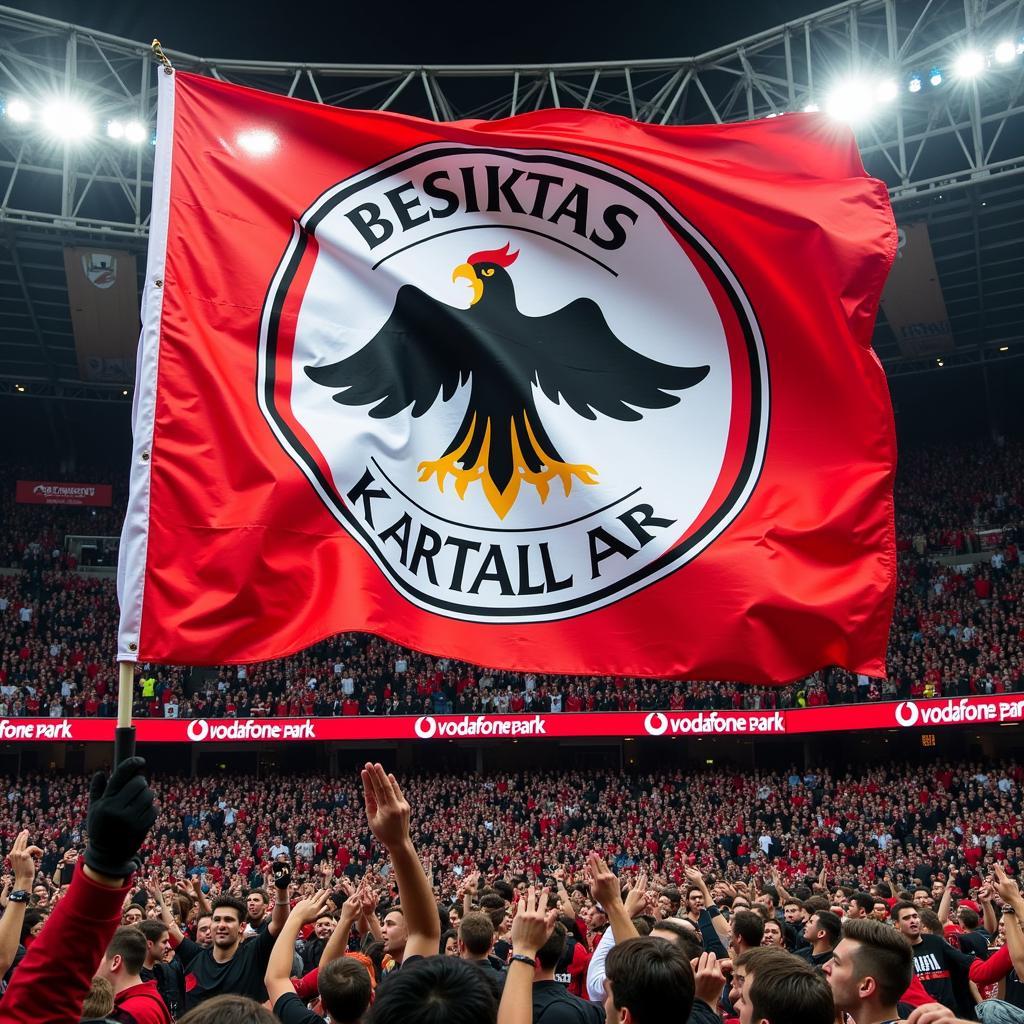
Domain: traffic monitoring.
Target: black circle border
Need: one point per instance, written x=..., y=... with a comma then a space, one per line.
x=275, y=299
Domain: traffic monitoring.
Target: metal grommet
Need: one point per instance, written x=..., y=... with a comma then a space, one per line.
x=145, y=456
x=133, y=646
x=159, y=282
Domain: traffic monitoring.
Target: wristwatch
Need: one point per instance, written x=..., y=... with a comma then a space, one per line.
x=19, y=896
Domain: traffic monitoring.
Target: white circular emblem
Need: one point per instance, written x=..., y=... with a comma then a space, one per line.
x=520, y=380
x=425, y=727
x=907, y=713
x=656, y=723
x=198, y=729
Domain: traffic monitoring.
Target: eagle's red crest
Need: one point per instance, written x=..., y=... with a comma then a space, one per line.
x=502, y=257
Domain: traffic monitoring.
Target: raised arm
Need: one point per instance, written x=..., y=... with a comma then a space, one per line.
x=531, y=928
x=278, y=978
x=990, y=921
x=780, y=886
x=1010, y=893
x=24, y=866
x=194, y=888
x=351, y=910
x=387, y=812
x=718, y=921
x=173, y=929
x=947, y=898
x=604, y=888
x=368, y=920
x=282, y=874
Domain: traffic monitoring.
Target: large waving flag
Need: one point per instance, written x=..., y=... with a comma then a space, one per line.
x=562, y=392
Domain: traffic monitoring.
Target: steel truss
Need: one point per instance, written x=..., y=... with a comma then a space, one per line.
x=947, y=153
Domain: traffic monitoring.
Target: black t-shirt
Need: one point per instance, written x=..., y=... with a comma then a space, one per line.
x=936, y=963
x=974, y=943
x=242, y=975
x=552, y=1004
x=170, y=983
x=290, y=1009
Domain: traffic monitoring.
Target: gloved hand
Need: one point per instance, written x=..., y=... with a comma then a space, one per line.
x=121, y=813
x=282, y=874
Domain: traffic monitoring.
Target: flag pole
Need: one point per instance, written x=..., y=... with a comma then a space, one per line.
x=124, y=734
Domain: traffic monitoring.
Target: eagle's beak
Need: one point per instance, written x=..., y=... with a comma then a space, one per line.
x=466, y=270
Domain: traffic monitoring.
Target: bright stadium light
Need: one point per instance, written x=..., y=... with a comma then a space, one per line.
x=115, y=129
x=886, y=90
x=67, y=120
x=257, y=141
x=850, y=101
x=1005, y=52
x=914, y=85
x=18, y=110
x=134, y=131
x=935, y=77
x=811, y=108
x=969, y=64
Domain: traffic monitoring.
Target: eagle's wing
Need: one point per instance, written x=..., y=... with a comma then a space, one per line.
x=576, y=357
x=422, y=350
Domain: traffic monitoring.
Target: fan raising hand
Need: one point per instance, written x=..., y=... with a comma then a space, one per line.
x=387, y=810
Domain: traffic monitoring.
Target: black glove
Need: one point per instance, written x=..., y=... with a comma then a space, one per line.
x=121, y=813
x=282, y=874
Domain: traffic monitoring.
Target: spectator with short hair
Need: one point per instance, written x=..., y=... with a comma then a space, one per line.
x=121, y=965
x=783, y=988
x=823, y=930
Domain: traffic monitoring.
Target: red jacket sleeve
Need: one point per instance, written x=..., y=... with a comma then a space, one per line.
x=995, y=968
x=53, y=979
x=916, y=995
x=306, y=987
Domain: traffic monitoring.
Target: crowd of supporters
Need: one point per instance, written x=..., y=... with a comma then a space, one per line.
x=586, y=898
x=897, y=820
x=956, y=631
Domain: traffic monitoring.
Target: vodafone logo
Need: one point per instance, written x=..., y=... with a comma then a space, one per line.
x=250, y=730
x=907, y=713
x=198, y=730
x=655, y=723
x=425, y=727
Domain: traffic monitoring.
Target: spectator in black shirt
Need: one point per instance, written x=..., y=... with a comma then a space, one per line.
x=552, y=1002
x=935, y=960
x=823, y=932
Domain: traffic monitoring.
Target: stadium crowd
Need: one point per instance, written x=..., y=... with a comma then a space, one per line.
x=956, y=631
x=583, y=897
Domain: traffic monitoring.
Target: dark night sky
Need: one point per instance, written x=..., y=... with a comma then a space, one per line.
x=402, y=31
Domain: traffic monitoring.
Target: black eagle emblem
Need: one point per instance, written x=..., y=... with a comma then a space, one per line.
x=428, y=348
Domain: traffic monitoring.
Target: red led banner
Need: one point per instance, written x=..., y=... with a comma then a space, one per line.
x=965, y=711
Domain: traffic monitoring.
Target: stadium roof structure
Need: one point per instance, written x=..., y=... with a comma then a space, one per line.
x=934, y=88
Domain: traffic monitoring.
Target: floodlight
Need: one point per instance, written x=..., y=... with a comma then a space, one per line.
x=1005, y=52
x=935, y=76
x=850, y=101
x=115, y=129
x=67, y=120
x=134, y=131
x=18, y=110
x=969, y=64
x=914, y=85
x=257, y=141
x=886, y=90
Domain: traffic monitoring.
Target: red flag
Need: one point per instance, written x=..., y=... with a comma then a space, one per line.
x=562, y=392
